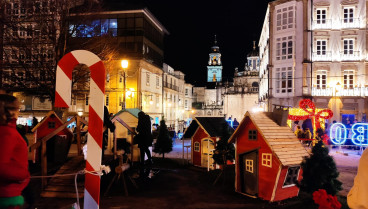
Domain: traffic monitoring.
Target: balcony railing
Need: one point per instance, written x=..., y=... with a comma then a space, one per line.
x=350, y=55
x=171, y=86
x=329, y=92
x=322, y=56
x=350, y=23
x=322, y=24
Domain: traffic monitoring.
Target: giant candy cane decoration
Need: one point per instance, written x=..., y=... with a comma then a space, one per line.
x=96, y=111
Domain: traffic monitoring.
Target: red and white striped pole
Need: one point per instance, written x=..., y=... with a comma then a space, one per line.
x=96, y=111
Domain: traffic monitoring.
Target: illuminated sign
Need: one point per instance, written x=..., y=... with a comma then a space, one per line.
x=338, y=133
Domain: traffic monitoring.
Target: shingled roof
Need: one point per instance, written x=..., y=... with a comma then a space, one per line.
x=212, y=126
x=281, y=140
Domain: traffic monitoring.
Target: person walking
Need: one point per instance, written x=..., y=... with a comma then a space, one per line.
x=145, y=138
x=14, y=174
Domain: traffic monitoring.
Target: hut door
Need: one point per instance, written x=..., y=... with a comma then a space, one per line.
x=207, y=152
x=249, y=172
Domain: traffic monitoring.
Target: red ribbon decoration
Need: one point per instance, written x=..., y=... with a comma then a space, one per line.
x=304, y=105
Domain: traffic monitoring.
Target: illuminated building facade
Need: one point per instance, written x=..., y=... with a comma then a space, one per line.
x=316, y=49
x=138, y=37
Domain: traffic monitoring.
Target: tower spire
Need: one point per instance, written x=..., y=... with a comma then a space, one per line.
x=254, y=45
x=215, y=40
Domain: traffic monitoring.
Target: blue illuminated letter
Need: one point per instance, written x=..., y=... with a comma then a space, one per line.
x=360, y=133
x=338, y=133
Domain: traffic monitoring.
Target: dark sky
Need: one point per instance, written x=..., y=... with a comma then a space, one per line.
x=193, y=24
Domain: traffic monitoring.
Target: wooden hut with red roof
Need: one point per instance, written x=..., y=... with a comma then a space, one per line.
x=58, y=146
x=204, y=132
x=268, y=158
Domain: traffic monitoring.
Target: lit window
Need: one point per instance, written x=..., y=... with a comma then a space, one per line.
x=321, y=47
x=321, y=79
x=292, y=176
x=252, y=134
x=157, y=81
x=284, y=80
x=348, y=79
x=249, y=165
x=285, y=18
x=148, y=78
x=284, y=48
x=267, y=159
x=196, y=146
x=348, y=15
x=348, y=46
x=321, y=16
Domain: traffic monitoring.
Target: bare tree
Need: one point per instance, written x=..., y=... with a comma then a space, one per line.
x=36, y=34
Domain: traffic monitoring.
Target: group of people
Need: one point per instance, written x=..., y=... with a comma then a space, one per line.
x=304, y=131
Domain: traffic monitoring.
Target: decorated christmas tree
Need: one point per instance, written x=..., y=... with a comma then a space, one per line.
x=164, y=143
x=319, y=170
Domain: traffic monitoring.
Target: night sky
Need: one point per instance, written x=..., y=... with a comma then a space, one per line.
x=193, y=24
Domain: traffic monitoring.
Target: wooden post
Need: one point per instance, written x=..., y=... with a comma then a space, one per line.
x=44, y=163
x=79, y=149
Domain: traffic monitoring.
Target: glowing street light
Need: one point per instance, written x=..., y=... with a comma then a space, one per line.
x=124, y=65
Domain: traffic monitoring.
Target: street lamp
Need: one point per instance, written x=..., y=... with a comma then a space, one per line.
x=124, y=65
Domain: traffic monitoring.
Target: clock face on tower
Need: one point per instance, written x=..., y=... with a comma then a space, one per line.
x=214, y=74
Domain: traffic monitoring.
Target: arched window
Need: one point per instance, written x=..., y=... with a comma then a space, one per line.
x=255, y=84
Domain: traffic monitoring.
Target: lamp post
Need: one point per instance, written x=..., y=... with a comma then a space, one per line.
x=124, y=65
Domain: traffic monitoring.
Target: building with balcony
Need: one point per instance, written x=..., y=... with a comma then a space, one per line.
x=177, y=98
x=339, y=57
x=315, y=49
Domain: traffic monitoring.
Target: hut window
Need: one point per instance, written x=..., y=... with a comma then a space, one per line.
x=292, y=176
x=267, y=160
x=252, y=135
x=249, y=165
x=196, y=146
x=51, y=124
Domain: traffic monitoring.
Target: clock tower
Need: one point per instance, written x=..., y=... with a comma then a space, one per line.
x=214, y=68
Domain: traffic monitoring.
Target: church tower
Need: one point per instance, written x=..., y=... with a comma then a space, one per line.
x=214, y=68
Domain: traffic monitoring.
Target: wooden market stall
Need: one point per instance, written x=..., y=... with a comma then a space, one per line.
x=268, y=158
x=204, y=132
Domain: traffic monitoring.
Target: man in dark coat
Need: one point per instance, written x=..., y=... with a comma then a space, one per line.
x=108, y=125
x=145, y=138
